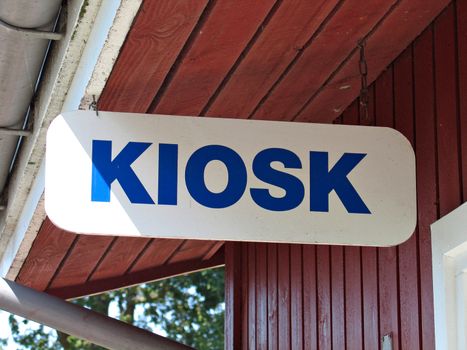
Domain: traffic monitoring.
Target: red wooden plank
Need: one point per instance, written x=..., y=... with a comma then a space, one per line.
x=157, y=253
x=350, y=115
x=272, y=297
x=384, y=111
x=408, y=257
x=151, y=48
x=217, y=46
x=251, y=268
x=296, y=296
x=261, y=296
x=388, y=273
x=425, y=149
x=245, y=296
x=280, y=43
x=46, y=254
x=233, y=295
x=283, y=278
x=461, y=10
x=213, y=249
x=353, y=299
x=353, y=275
x=337, y=297
x=310, y=325
x=191, y=249
x=446, y=111
x=119, y=257
x=81, y=260
x=371, y=334
x=393, y=35
x=324, y=298
x=311, y=70
x=92, y=287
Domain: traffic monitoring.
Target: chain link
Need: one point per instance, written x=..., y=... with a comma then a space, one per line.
x=363, y=67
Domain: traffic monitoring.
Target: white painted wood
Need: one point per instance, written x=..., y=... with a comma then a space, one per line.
x=449, y=251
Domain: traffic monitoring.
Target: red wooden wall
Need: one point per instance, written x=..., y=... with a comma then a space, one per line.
x=281, y=296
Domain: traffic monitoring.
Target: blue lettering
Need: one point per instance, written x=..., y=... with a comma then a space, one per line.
x=168, y=174
x=105, y=171
x=322, y=182
x=194, y=176
x=293, y=187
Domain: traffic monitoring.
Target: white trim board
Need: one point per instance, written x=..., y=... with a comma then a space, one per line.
x=449, y=249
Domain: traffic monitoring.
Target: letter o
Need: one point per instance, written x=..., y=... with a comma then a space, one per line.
x=194, y=176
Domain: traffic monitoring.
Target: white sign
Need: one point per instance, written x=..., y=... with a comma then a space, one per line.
x=228, y=179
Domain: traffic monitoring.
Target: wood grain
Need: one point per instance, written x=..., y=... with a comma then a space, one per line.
x=216, y=47
x=158, y=34
x=406, y=21
x=311, y=70
x=280, y=43
x=446, y=111
x=47, y=252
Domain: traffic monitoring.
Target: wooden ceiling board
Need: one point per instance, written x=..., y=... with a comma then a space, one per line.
x=120, y=257
x=388, y=39
x=280, y=43
x=217, y=45
x=47, y=253
x=81, y=260
x=339, y=37
x=160, y=31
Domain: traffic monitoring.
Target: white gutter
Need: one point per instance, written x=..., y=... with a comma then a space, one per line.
x=77, y=67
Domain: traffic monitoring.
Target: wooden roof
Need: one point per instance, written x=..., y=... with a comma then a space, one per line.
x=294, y=60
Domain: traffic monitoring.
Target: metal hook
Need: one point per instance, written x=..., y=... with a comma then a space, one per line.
x=93, y=105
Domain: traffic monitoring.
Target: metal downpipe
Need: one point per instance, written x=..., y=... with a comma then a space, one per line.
x=79, y=321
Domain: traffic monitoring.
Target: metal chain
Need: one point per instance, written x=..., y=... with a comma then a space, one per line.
x=363, y=67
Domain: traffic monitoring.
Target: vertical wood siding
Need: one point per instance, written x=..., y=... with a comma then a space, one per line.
x=284, y=296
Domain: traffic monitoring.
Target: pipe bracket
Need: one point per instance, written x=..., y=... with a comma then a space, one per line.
x=15, y=132
x=39, y=34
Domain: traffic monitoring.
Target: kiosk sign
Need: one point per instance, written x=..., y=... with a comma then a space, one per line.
x=228, y=179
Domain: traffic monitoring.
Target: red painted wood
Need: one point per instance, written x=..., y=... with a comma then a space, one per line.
x=281, y=42
x=353, y=273
x=272, y=321
x=119, y=258
x=93, y=287
x=387, y=257
x=324, y=298
x=296, y=297
x=261, y=296
x=425, y=149
x=233, y=296
x=446, y=111
x=245, y=297
x=371, y=335
x=311, y=70
x=283, y=254
x=231, y=24
x=157, y=253
x=251, y=297
x=353, y=298
x=461, y=11
x=46, y=254
x=337, y=297
x=81, y=260
x=310, y=325
x=393, y=35
x=213, y=249
x=151, y=48
x=190, y=249
x=408, y=255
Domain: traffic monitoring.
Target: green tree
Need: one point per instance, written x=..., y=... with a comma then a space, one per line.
x=188, y=308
